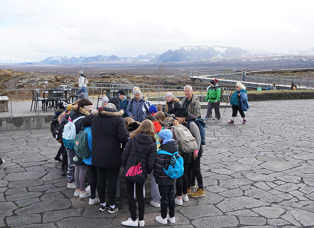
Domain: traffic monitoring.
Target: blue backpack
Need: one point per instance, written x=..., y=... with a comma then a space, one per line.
x=175, y=168
x=201, y=126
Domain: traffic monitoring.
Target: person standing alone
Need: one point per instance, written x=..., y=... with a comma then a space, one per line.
x=213, y=98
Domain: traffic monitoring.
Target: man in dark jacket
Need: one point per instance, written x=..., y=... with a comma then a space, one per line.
x=123, y=101
x=165, y=183
x=109, y=131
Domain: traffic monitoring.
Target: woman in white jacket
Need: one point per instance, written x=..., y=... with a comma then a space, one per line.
x=82, y=83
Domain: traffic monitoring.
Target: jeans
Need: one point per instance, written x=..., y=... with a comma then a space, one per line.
x=107, y=178
x=167, y=200
x=154, y=188
x=140, y=198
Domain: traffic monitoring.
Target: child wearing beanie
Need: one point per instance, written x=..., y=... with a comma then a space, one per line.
x=165, y=183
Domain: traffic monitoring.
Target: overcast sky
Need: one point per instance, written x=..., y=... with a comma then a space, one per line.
x=32, y=30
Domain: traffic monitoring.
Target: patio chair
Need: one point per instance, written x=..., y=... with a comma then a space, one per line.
x=35, y=100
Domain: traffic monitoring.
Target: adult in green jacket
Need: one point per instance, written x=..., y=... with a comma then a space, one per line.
x=213, y=98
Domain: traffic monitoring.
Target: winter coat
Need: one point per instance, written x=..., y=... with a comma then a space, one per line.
x=194, y=107
x=162, y=161
x=123, y=105
x=109, y=131
x=82, y=81
x=172, y=106
x=213, y=94
x=75, y=113
x=244, y=101
x=140, y=144
x=234, y=100
x=135, y=108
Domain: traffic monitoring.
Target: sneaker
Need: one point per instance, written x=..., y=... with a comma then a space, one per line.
x=244, y=122
x=141, y=223
x=87, y=189
x=178, y=202
x=130, y=222
x=115, y=209
x=93, y=201
x=189, y=191
x=199, y=193
x=71, y=185
x=161, y=220
x=185, y=198
x=154, y=203
x=171, y=220
x=85, y=194
x=102, y=208
x=63, y=172
x=77, y=193
x=231, y=122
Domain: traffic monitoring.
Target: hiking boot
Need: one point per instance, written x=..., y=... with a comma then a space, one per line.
x=199, y=193
x=231, y=122
x=130, y=222
x=244, y=122
x=115, y=209
x=189, y=191
x=161, y=220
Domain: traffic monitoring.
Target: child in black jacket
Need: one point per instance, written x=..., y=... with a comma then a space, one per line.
x=165, y=183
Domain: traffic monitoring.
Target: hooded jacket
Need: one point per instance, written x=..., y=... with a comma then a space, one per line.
x=194, y=106
x=234, y=97
x=109, y=131
x=213, y=94
x=135, y=108
x=140, y=144
x=162, y=161
x=172, y=106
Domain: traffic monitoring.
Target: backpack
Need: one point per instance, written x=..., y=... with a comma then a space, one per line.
x=54, y=125
x=186, y=141
x=221, y=93
x=64, y=121
x=201, y=126
x=69, y=133
x=175, y=168
x=81, y=145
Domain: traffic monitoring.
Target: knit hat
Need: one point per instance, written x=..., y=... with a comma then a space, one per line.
x=111, y=106
x=83, y=95
x=137, y=91
x=115, y=101
x=182, y=112
x=121, y=92
x=152, y=109
x=216, y=80
x=212, y=82
x=169, y=95
x=104, y=100
x=165, y=134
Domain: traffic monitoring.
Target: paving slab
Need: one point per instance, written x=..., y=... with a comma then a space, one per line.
x=256, y=175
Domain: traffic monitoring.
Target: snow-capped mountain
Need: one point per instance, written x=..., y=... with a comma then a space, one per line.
x=199, y=54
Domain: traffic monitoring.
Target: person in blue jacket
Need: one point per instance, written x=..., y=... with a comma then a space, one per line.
x=137, y=108
x=239, y=102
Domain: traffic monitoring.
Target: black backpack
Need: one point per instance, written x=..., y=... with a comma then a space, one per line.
x=54, y=125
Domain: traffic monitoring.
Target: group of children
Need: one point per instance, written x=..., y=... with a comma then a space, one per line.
x=153, y=134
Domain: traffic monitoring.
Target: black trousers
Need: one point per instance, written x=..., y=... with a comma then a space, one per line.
x=167, y=200
x=64, y=164
x=140, y=199
x=195, y=167
x=182, y=182
x=107, y=178
x=92, y=180
x=235, y=109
